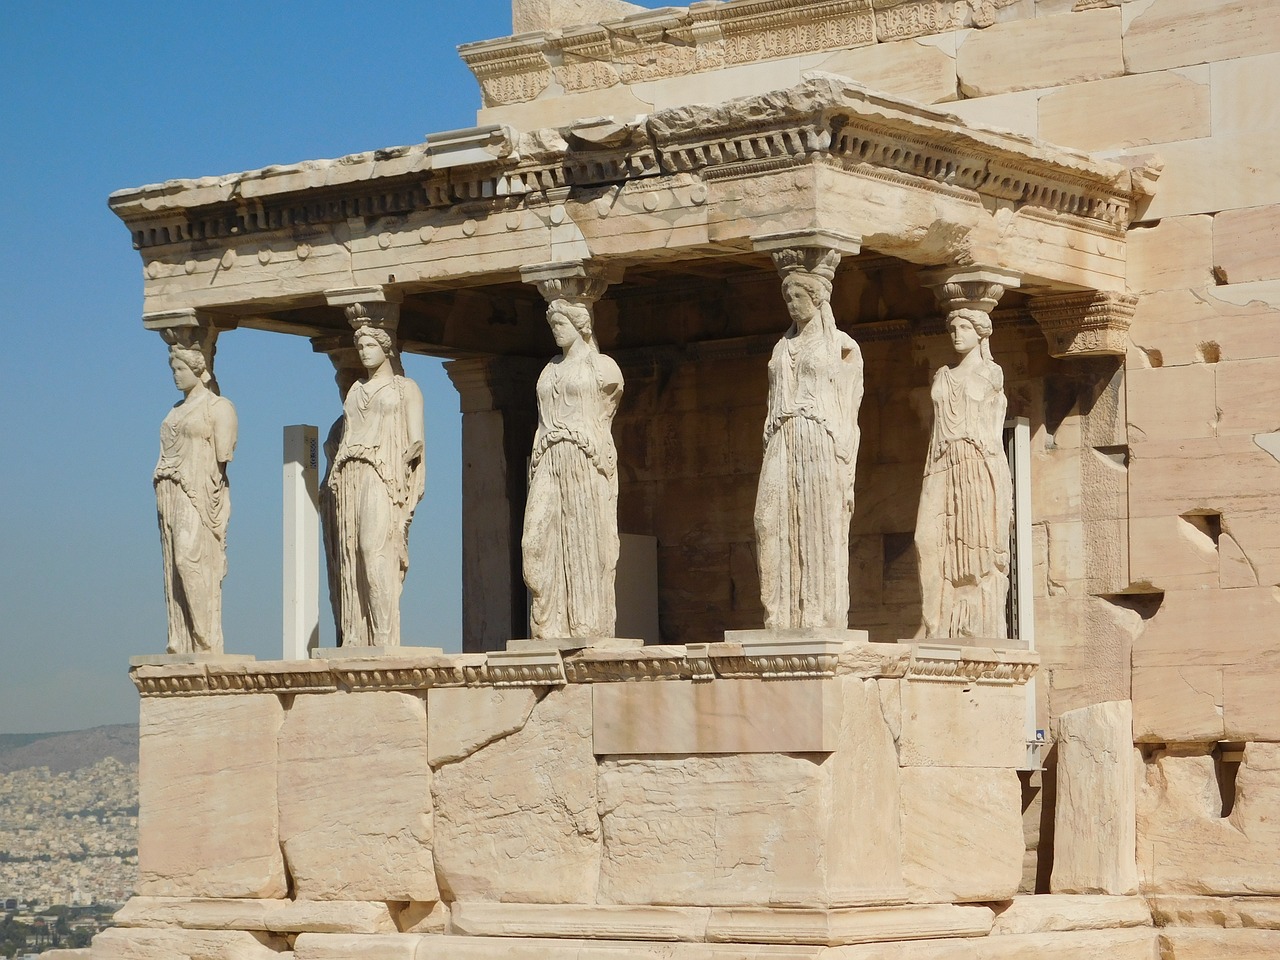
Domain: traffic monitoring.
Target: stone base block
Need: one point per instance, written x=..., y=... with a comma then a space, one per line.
x=1050, y=913
x=207, y=797
x=355, y=796
x=272, y=916
x=580, y=921
x=1262, y=913
x=729, y=716
x=857, y=925
x=339, y=946
x=962, y=834
x=1217, y=944
x=168, y=944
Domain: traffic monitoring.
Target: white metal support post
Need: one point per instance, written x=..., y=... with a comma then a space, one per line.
x=301, y=541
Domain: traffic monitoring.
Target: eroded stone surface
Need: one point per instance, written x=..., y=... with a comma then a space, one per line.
x=1197, y=836
x=1093, y=840
x=1050, y=913
x=517, y=819
x=207, y=797
x=355, y=797
x=461, y=720
x=962, y=833
x=155, y=944
x=677, y=830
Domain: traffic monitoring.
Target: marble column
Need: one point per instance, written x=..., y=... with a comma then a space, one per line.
x=499, y=416
x=966, y=499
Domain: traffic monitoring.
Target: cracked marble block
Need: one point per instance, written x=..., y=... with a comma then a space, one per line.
x=355, y=796
x=515, y=817
x=793, y=829
x=207, y=797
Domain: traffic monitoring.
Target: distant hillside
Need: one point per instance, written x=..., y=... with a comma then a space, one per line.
x=65, y=752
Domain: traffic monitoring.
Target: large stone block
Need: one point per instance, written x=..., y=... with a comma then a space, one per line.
x=950, y=724
x=516, y=820
x=1250, y=707
x=1248, y=396
x=727, y=716
x=1171, y=403
x=1051, y=913
x=1214, y=944
x=1210, y=627
x=1043, y=52
x=1093, y=840
x=1241, y=99
x=275, y=916
x=1246, y=243
x=1243, y=175
x=1128, y=111
x=1179, y=704
x=962, y=833
x=1177, y=253
x=763, y=829
x=1171, y=553
x=340, y=946
x=1173, y=33
x=461, y=720
x=1170, y=328
x=1211, y=475
x=118, y=943
x=1200, y=833
x=207, y=797
x=905, y=68
x=355, y=797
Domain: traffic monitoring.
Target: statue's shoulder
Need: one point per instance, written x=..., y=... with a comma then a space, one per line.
x=408, y=388
x=608, y=369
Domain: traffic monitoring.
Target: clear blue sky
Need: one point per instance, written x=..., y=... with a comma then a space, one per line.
x=98, y=97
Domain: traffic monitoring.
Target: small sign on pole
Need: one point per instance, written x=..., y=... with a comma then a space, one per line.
x=301, y=541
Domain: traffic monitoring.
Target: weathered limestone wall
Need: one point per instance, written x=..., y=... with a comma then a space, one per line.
x=837, y=793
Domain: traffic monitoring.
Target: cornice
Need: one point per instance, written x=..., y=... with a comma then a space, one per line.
x=824, y=120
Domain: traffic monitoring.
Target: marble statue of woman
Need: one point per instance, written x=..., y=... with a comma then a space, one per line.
x=805, y=498
x=570, y=542
x=193, y=503
x=962, y=530
x=376, y=479
x=345, y=376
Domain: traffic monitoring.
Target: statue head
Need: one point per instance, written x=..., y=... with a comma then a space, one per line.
x=970, y=328
x=579, y=318
x=366, y=329
x=193, y=359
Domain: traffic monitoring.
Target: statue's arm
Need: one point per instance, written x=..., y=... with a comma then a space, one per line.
x=225, y=428
x=610, y=383
x=413, y=420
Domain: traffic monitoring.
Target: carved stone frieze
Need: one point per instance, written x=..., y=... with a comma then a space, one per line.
x=509, y=71
x=901, y=19
x=971, y=664
x=767, y=29
x=1087, y=324
x=699, y=661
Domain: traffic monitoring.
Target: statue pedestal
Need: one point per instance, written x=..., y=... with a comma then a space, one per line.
x=567, y=644
x=813, y=789
x=173, y=659
x=370, y=653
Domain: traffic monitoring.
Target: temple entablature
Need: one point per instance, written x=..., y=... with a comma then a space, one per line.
x=471, y=209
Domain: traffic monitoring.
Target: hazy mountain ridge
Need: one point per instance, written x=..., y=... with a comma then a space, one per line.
x=67, y=751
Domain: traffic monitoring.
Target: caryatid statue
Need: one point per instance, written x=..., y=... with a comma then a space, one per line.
x=966, y=501
x=347, y=371
x=570, y=540
x=193, y=499
x=375, y=481
x=804, y=503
